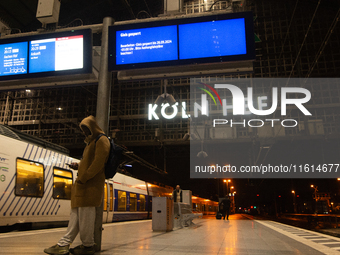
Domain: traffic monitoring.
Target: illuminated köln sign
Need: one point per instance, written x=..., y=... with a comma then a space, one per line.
x=241, y=105
x=153, y=115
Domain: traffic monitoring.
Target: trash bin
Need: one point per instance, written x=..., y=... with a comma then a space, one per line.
x=162, y=214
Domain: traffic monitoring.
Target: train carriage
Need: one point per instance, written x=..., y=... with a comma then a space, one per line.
x=36, y=182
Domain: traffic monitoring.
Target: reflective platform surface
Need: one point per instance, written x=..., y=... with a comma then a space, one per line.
x=239, y=235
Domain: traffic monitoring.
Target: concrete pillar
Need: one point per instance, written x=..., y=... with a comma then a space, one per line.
x=103, y=112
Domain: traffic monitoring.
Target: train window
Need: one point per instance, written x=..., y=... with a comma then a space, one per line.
x=62, y=183
x=30, y=178
x=105, y=197
x=111, y=197
x=133, y=202
x=121, y=200
x=141, y=203
x=199, y=207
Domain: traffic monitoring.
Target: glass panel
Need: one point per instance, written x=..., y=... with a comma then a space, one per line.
x=30, y=178
x=121, y=200
x=62, y=188
x=133, y=202
x=62, y=172
x=141, y=203
x=105, y=197
x=62, y=183
x=111, y=197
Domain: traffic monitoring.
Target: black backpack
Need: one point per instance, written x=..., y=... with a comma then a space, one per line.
x=112, y=162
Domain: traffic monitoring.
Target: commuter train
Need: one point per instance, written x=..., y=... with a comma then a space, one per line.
x=206, y=206
x=35, y=185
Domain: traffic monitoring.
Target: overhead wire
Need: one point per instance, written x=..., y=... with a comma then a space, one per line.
x=296, y=59
x=287, y=33
x=324, y=43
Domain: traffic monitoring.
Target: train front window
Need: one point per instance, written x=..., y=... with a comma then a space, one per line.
x=29, y=178
x=133, y=202
x=141, y=203
x=62, y=183
x=121, y=200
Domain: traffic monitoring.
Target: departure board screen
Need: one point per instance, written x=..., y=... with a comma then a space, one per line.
x=146, y=45
x=56, y=54
x=212, y=39
x=13, y=57
x=45, y=55
x=182, y=41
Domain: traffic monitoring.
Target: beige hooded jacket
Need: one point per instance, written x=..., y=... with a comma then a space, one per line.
x=88, y=189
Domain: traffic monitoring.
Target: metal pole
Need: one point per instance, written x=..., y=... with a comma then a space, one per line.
x=5, y=121
x=104, y=88
x=103, y=112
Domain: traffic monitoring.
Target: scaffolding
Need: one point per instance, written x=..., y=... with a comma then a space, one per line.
x=282, y=26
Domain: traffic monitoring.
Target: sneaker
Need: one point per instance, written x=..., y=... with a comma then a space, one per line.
x=83, y=250
x=56, y=249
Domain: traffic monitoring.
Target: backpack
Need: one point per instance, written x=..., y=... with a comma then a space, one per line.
x=219, y=215
x=112, y=162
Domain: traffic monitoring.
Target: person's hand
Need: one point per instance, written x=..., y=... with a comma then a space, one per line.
x=74, y=165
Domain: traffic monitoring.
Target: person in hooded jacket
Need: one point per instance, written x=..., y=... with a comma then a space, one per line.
x=87, y=191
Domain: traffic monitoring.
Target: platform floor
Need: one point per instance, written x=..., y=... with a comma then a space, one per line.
x=240, y=235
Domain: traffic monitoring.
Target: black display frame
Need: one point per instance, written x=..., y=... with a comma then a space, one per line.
x=87, y=54
x=249, y=30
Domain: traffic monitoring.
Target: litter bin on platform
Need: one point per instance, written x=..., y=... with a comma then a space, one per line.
x=162, y=214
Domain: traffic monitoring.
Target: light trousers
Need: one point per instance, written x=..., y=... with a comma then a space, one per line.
x=81, y=221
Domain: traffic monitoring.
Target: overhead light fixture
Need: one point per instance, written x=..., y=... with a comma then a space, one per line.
x=188, y=135
x=202, y=154
x=165, y=97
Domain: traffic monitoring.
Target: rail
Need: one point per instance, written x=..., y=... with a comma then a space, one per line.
x=315, y=220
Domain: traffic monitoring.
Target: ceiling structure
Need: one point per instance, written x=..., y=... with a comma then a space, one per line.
x=20, y=15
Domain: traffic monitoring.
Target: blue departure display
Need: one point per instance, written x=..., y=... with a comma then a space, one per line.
x=146, y=45
x=56, y=54
x=42, y=55
x=212, y=39
x=13, y=57
x=182, y=41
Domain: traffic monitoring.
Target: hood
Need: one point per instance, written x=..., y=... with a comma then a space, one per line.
x=92, y=125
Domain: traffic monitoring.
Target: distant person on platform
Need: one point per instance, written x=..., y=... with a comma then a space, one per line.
x=87, y=192
x=177, y=194
x=225, y=207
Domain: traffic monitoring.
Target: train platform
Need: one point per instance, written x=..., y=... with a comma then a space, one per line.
x=240, y=235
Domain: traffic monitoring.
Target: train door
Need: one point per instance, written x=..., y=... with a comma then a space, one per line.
x=108, y=202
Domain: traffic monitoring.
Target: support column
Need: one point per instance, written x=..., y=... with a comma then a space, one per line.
x=103, y=112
